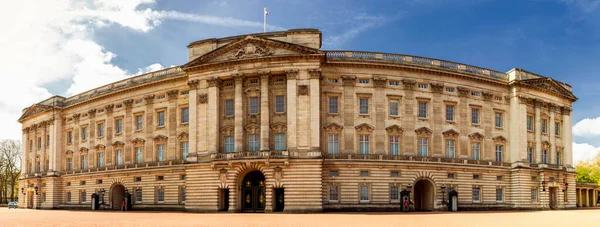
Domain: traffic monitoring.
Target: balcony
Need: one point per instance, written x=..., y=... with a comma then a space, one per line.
x=123, y=167
x=250, y=155
x=405, y=158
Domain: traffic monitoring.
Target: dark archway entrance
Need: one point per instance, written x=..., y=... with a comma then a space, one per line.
x=253, y=192
x=423, y=195
x=117, y=193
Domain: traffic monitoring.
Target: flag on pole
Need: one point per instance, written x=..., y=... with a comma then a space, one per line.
x=266, y=12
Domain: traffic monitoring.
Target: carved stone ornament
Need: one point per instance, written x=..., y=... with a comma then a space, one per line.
x=138, y=141
x=291, y=74
x=507, y=99
x=109, y=108
x=277, y=173
x=193, y=84
x=213, y=82
x=394, y=129
x=364, y=127
x=499, y=139
x=69, y=153
x=83, y=150
x=227, y=130
x=223, y=175
x=523, y=99
x=409, y=84
x=92, y=112
x=531, y=143
x=265, y=75
x=437, y=88
x=379, y=81
x=118, y=144
x=254, y=49
x=149, y=98
x=202, y=98
x=565, y=110
x=546, y=145
x=451, y=134
x=333, y=127
x=423, y=132
x=238, y=78
x=348, y=80
x=279, y=128
x=314, y=73
x=100, y=147
x=183, y=136
x=463, y=91
x=159, y=138
x=172, y=94
x=128, y=102
x=560, y=149
x=487, y=96
x=476, y=136
x=252, y=129
x=302, y=89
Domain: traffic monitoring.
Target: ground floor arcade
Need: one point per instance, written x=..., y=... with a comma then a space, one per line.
x=588, y=195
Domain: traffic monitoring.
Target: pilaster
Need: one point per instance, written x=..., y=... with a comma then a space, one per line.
x=551, y=128
x=291, y=109
x=349, y=113
x=172, y=148
x=264, y=112
x=109, y=126
x=567, y=138
x=537, y=130
x=127, y=132
x=315, y=117
x=438, y=119
x=149, y=150
x=213, y=114
x=239, y=113
x=193, y=124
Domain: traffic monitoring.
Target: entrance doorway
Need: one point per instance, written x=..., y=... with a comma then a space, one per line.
x=117, y=193
x=29, y=200
x=423, y=195
x=223, y=199
x=279, y=200
x=253, y=192
x=553, y=197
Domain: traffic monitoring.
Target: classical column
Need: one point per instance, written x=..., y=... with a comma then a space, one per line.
x=127, y=132
x=172, y=148
x=56, y=142
x=213, y=114
x=44, y=151
x=567, y=137
x=580, y=200
x=552, y=136
x=264, y=112
x=349, y=112
x=462, y=114
x=91, y=139
x=109, y=157
x=315, y=120
x=487, y=120
x=239, y=113
x=193, y=124
x=291, y=109
x=380, y=101
x=24, y=146
x=538, y=133
x=149, y=151
x=437, y=120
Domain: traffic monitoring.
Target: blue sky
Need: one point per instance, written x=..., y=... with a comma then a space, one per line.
x=555, y=38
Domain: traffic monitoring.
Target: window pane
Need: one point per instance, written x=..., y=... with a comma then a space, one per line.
x=394, y=193
x=253, y=143
x=499, y=153
x=185, y=115
x=475, y=116
x=333, y=192
x=229, y=108
x=333, y=105
x=394, y=145
x=423, y=147
x=332, y=144
x=475, y=194
x=476, y=150
x=498, y=120
x=119, y=157
x=253, y=105
x=279, y=104
x=364, y=144
x=119, y=126
x=280, y=142
x=138, y=155
x=499, y=195
x=450, y=113
x=450, y=149
x=229, y=144
x=364, y=106
x=139, y=122
x=364, y=193
x=422, y=110
x=185, y=146
x=394, y=108
x=160, y=152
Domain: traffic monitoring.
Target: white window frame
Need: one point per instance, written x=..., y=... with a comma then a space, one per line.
x=160, y=152
x=423, y=147
x=139, y=155
x=394, y=192
x=363, y=106
x=499, y=153
x=476, y=150
x=119, y=157
x=364, y=198
x=280, y=141
x=394, y=145
x=476, y=192
x=253, y=143
x=364, y=144
x=229, y=144
x=185, y=149
x=279, y=104
x=333, y=144
x=450, y=148
x=253, y=106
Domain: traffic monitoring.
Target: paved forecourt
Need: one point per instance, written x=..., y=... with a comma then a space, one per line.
x=22, y=217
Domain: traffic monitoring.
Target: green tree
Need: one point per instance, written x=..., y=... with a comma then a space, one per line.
x=588, y=171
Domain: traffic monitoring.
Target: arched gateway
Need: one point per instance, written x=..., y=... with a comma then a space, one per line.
x=253, y=192
x=424, y=195
x=117, y=193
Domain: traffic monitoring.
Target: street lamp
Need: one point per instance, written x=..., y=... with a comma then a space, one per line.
x=543, y=185
x=409, y=187
x=22, y=190
x=36, y=189
x=443, y=193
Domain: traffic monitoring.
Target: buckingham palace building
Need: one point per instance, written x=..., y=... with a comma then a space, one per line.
x=269, y=122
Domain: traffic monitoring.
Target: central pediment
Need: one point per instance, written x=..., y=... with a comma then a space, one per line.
x=549, y=85
x=251, y=47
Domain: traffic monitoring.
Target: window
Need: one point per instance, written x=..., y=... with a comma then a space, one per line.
x=119, y=126
x=544, y=156
x=499, y=178
x=185, y=115
x=69, y=137
x=394, y=108
x=137, y=179
x=138, y=122
x=229, y=108
x=159, y=178
x=422, y=109
x=394, y=83
x=451, y=176
x=533, y=178
x=280, y=142
x=43, y=197
x=69, y=164
x=38, y=167
x=333, y=144
x=449, y=113
x=99, y=181
x=450, y=89
x=253, y=143
x=182, y=194
x=83, y=197
x=160, y=152
x=68, y=197
x=475, y=150
x=499, y=194
x=333, y=81
x=498, y=120
x=333, y=173
x=183, y=177
x=364, y=173
x=160, y=195
x=100, y=160
x=394, y=174
x=475, y=116
x=161, y=118
x=476, y=195
x=534, y=195
x=333, y=105
x=364, y=106
x=556, y=128
x=138, y=155
x=530, y=154
x=138, y=195
x=364, y=144
x=101, y=130
x=394, y=193
x=558, y=158
x=119, y=157
x=333, y=193
x=253, y=105
x=450, y=148
x=544, y=126
x=476, y=94
x=39, y=142
x=363, y=81
x=185, y=149
x=229, y=141
x=422, y=86
x=423, y=146
x=529, y=123
x=47, y=140
x=476, y=176
x=83, y=161
x=364, y=193
x=84, y=133
x=499, y=153
x=82, y=182
x=394, y=145
x=279, y=104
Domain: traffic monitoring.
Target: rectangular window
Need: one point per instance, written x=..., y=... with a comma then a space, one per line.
x=280, y=142
x=160, y=152
x=333, y=81
x=544, y=156
x=544, y=126
x=39, y=142
x=161, y=119
x=364, y=173
x=476, y=195
x=139, y=121
x=534, y=195
x=394, y=145
x=69, y=164
x=119, y=126
x=185, y=149
x=498, y=120
x=422, y=109
x=394, y=174
x=422, y=86
x=530, y=154
x=476, y=176
x=333, y=144
x=229, y=108
x=394, y=193
x=84, y=133
x=47, y=140
x=394, y=83
x=333, y=173
x=138, y=195
x=364, y=193
x=529, y=123
x=475, y=116
x=43, y=197
x=185, y=115
x=253, y=105
x=476, y=151
x=364, y=106
x=333, y=193
x=499, y=178
x=423, y=146
x=100, y=160
x=253, y=143
x=449, y=89
x=558, y=158
x=119, y=157
x=229, y=141
x=69, y=137
x=499, y=195
x=450, y=148
x=499, y=153
x=451, y=176
x=84, y=162
x=160, y=195
x=333, y=105
x=279, y=104
x=101, y=130
x=182, y=194
x=68, y=197
x=449, y=113
x=556, y=128
x=139, y=155
x=364, y=144
x=363, y=81
x=394, y=108
x=83, y=197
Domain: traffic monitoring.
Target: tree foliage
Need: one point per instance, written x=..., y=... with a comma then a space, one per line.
x=10, y=162
x=588, y=171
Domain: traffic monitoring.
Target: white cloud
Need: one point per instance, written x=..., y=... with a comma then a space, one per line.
x=584, y=152
x=221, y=21
x=150, y=68
x=587, y=127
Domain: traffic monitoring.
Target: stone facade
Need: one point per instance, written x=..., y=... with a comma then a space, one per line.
x=269, y=122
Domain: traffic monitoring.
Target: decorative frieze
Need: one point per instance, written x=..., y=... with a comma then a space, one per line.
x=128, y=103
x=349, y=80
x=437, y=88
x=499, y=139
x=291, y=74
x=463, y=91
x=118, y=144
x=546, y=145
x=379, y=81
x=487, y=96
x=159, y=138
x=202, y=98
x=451, y=134
x=138, y=141
x=314, y=73
x=476, y=136
x=333, y=127
x=394, y=129
x=409, y=84
x=99, y=147
x=172, y=94
x=364, y=127
x=149, y=98
x=92, y=113
x=109, y=108
x=213, y=82
x=76, y=116
x=193, y=84
x=423, y=132
x=183, y=136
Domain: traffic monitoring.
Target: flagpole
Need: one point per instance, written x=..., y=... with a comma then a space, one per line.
x=265, y=22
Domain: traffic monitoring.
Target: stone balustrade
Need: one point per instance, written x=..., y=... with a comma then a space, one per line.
x=387, y=157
